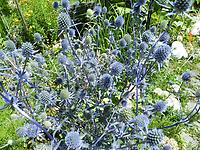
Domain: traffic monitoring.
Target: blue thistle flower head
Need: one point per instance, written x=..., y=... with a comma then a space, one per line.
x=71, y=32
x=111, y=38
x=122, y=43
x=116, y=68
x=29, y=130
x=104, y=10
x=73, y=140
x=136, y=8
x=124, y=103
x=39, y=58
x=65, y=4
x=167, y=147
x=46, y=98
x=128, y=38
x=91, y=77
x=62, y=59
x=153, y=29
x=97, y=10
x=141, y=2
x=55, y=5
x=106, y=81
x=64, y=21
x=106, y=23
x=147, y=36
x=182, y=6
x=164, y=37
x=27, y=49
x=186, y=76
x=91, y=31
x=32, y=130
x=115, y=52
x=37, y=37
x=154, y=137
x=22, y=74
x=88, y=40
x=160, y=106
x=21, y=131
x=81, y=94
x=58, y=81
x=162, y=52
x=142, y=121
x=65, y=44
x=10, y=45
x=119, y=22
x=2, y=55
x=129, y=52
x=143, y=46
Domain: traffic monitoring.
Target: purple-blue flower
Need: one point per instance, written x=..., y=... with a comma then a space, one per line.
x=119, y=21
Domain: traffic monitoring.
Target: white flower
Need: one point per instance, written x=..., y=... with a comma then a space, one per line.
x=196, y=28
x=170, y=141
x=160, y=92
x=176, y=87
x=56, y=46
x=178, y=50
x=157, y=91
x=189, y=140
x=14, y=116
x=173, y=102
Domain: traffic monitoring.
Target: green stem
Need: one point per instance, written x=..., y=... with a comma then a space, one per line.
x=21, y=15
x=5, y=24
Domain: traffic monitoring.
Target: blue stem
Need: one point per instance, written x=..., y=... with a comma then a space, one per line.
x=187, y=118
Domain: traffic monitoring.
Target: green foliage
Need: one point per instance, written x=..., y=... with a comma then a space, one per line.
x=8, y=129
x=39, y=14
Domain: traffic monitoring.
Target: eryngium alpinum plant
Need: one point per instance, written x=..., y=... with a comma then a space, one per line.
x=82, y=98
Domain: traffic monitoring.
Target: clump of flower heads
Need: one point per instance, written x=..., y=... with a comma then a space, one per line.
x=94, y=82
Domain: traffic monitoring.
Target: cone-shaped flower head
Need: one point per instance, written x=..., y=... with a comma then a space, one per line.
x=106, y=81
x=154, y=137
x=162, y=52
x=116, y=68
x=119, y=21
x=64, y=21
x=182, y=5
x=27, y=49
